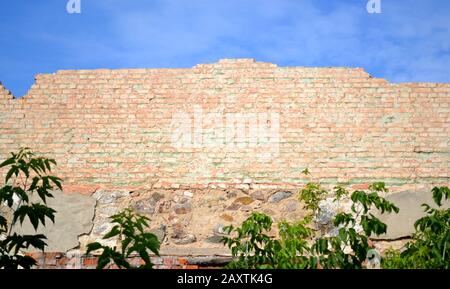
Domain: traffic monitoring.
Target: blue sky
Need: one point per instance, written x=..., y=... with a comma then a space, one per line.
x=409, y=41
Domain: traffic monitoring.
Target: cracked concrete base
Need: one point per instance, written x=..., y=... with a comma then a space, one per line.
x=203, y=212
x=74, y=217
x=401, y=225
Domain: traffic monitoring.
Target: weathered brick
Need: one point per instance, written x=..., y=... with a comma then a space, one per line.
x=112, y=128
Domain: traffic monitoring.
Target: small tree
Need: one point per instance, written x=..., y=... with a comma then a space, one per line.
x=330, y=252
x=27, y=176
x=252, y=248
x=130, y=228
x=430, y=245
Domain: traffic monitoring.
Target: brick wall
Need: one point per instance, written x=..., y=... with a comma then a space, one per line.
x=114, y=128
x=60, y=260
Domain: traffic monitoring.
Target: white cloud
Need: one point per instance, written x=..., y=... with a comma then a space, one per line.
x=404, y=43
x=407, y=42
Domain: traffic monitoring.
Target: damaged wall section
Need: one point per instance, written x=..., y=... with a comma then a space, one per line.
x=111, y=133
x=114, y=128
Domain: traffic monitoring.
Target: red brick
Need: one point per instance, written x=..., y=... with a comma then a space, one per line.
x=90, y=261
x=110, y=128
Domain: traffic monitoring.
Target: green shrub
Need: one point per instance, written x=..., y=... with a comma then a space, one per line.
x=329, y=252
x=130, y=228
x=27, y=175
x=251, y=247
x=430, y=245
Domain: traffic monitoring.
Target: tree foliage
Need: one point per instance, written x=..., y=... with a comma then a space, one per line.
x=430, y=245
x=330, y=252
x=130, y=229
x=253, y=248
x=27, y=175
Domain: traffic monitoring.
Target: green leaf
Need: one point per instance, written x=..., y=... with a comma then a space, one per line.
x=47, y=164
x=7, y=162
x=144, y=255
x=12, y=170
x=36, y=241
x=24, y=168
x=440, y=193
x=133, y=240
x=34, y=183
x=151, y=242
x=17, y=242
x=35, y=213
x=3, y=223
x=114, y=232
x=104, y=258
x=56, y=181
x=437, y=196
x=25, y=262
x=93, y=247
x=378, y=187
x=121, y=261
x=6, y=195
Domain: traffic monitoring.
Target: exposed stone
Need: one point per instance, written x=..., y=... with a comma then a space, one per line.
x=180, y=237
x=182, y=208
x=160, y=232
x=410, y=204
x=73, y=217
x=157, y=196
x=219, y=229
x=328, y=210
x=278, y=196
x=163, y=206
x=102, y=228
x=231, y=194
x=147, y=206
x=187, y=239
x=291, y=206
x=244, y=200
x=188, y=194
x=226, y=217
x=109, y=197
x=246, y=208
x=239, y=202
x=383, y=245
x=183, y=200
x=269, y=212
x=108, y=210
x=258, y=195
x=244, y=187
x=177, y=231
x=144, y=206
x=209, y=260
x=215, y=239
x=234, y=206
